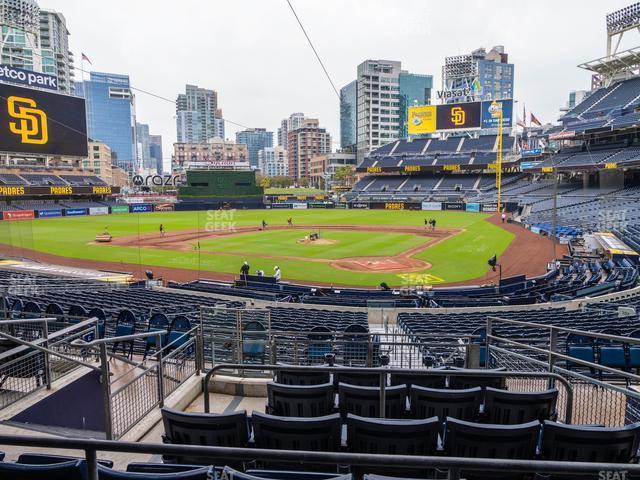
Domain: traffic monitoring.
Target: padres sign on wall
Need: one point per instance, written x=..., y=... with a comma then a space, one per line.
x=39, y=122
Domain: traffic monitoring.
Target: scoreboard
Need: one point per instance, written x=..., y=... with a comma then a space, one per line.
x=451, y=117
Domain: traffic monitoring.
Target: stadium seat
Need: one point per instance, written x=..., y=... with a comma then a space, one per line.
x=319, y=434
x=580, y=347
x=55, y=310
x=355, y=347
x=300, y=400
x=320, y=344
x=443, y=403
x=254, y=339
x=157, y=323
x=178, y=329
x=73, y=470
x=203, y=473
x=210, y=429
x=634, y=351
x=1, y=456
x=611, y=353
x=575, y=443
x=125, y=325
x=46, y=459
x=358, y=379
x=282, y=475
x=460, y=382
x=474, y=440
x=290, y=377
x=155, y=468
x=365, y=401
x=509, y=408
x=409, y=379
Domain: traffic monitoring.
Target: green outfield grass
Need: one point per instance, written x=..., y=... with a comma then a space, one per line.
x=459, y=258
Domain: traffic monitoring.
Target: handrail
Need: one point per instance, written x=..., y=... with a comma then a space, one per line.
x=383, y=371
x=91, y=446
x=99, y=341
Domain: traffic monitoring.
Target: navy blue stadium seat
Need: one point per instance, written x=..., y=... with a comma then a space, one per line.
x=158, y=322
x=409, y=379
x=611, y=353
x=210, y=429
x=254, y=339
x=125, y=325
x=634, y=351
x=1, y=456
x=320, y=344
x=474, y=440
x=360, y=379
x=155, y=468
x=46, y=459
x=356, y=347
x=291, y=377
x=470, y=381
x=203, y=473
x=178, y=329
x=443, y=403
x=282, y=475
x=73, y=470
x=365, y=401
x=581, y=347
x=300, y=400
x=508, y=408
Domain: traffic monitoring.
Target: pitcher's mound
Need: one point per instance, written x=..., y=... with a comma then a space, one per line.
x=320, y=241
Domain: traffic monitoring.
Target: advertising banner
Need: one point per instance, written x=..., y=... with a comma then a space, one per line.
x=472, y=207
x=531, y=152
x=120, y=209
x=74, y=212
x=28, y=78
x=99, y=211
x=422, y=119
x=35, y=121
x=163, y=207
x=491, y=207
x=320, y=205
x=454, y=206
x=360, y=205
x=280, y=205
x=431, y=206
x=341, y=206
x=526, y=165
x=21, y=191
x=18, y=215
x=507, y=114
x=141, y=208
x=299, y=206
x=50, y=213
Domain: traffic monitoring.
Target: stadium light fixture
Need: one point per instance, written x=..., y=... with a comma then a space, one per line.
x=624, y=19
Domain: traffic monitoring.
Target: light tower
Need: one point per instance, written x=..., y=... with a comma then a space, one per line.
x=495, y=109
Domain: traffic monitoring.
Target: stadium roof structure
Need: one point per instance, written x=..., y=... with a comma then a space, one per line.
x=610, y=66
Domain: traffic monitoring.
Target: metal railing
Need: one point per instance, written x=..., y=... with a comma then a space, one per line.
x=36, y=353
x=603, y=395
x=364, y=460
x=537, y=380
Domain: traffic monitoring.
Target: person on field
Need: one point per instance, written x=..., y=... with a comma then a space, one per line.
x=264, y=225
x=290, y=222
x=504, y=217
x=277, y=274
x=161, y=230
x=433, y=224
x=244, y=270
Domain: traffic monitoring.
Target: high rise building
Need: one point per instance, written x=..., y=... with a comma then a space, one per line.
x=57, y=59
x=215, y=153
x=575, y=97
x=255, y=139
x=37, y=40
x=144, y=147
x=293, y=122
x=155, y=149
x=198, y=118
x=384, y=92
x=111, y=115
x=348, y=112
x=306, y=142
x=477, y=76
x=272, y=162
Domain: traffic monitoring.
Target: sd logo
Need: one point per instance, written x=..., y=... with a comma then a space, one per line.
x=32, y=122
x=458, y=116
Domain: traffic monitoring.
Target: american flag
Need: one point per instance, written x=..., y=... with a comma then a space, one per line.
x=85, y=58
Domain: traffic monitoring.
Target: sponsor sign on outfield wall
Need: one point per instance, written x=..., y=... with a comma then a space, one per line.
x=99, y=211
x=18, y=215
x=141, y=208
x=359, y=205
x=431, y=206
x=163, y=207
x=280, y=205
x=120, y=209
x=454, y=206
x=50, y=213
x=299, y=206
x=74, y=212
x=472, y=207
x=21, y=191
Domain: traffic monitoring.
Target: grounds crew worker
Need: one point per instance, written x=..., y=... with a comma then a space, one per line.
x=244, y=270
x=277, y=274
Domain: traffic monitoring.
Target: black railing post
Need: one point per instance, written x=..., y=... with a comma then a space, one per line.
x=106, y=391
x=92, y=463
x=159, y=359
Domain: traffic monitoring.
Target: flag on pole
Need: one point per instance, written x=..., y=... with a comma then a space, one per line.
x=535, y=121
x=519, y=122
x=524, y=116
x=85, y=58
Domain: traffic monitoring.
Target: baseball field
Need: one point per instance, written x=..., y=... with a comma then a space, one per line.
x=353, y=247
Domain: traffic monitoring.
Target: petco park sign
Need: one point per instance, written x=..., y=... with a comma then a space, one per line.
x=27, y=77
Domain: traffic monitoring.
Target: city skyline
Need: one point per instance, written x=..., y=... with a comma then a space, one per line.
x=265, y=100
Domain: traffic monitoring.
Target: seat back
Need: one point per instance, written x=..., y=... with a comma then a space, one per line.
x=359, y=379
x=203, y=473
x=575, y=443
x=254, y=338
x=392, y=437
x=157, y=322
x=177, y=331
x=461, y=382
x=409, y=379
x=474, y=440
x=508, y=408
x=300, y=400
x=365, y=401
x=320, y=343
x=291, y=377
x=72, y=470
x=282, y=475
x=319, y=434
x=210, y=429
x=443, y=403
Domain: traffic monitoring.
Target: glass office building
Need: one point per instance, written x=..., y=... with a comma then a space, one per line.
x=415, y=89
x=348, y=115
x=111, y=115
x=255, y=139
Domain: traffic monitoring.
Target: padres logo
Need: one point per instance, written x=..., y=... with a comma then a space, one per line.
x=457, y=116
x=31, y=122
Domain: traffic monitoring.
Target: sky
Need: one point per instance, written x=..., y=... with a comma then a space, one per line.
x=254, y=54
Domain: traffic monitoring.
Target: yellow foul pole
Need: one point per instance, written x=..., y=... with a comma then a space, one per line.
x=496, y=112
